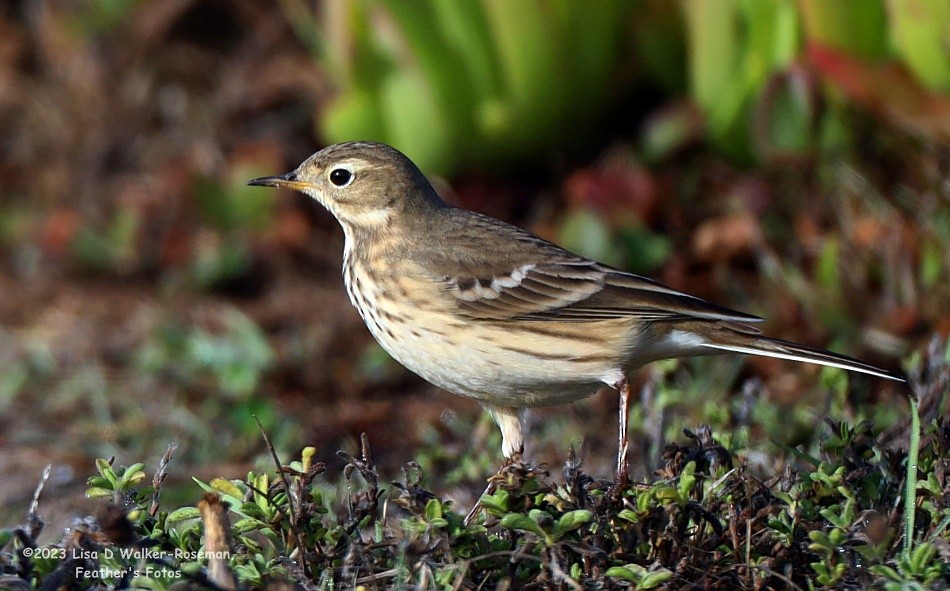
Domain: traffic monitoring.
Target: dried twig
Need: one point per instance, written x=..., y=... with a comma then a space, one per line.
x=159, y=479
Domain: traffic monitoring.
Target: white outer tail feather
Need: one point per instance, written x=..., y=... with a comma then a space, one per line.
x=806, y=358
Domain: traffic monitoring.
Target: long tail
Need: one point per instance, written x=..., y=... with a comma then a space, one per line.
x=759, y=345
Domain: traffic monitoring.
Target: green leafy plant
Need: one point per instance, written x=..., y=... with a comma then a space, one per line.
x=481, y=82
x=704, y=520
x=741, y=56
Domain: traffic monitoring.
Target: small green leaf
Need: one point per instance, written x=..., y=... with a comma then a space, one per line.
x=105, y=469
x=571, y=521
x=131, y=478
x=496, y=504
x=227, y=487
x=433, y=509
x=99, y=482
x=183, y=514
x=665, y=492
x=687, y=480
x=540, y=517
x=133, y=469
x=621, y=572
x=521, y=522
x=242, y=526
x=654, y=579
x=96, y=492
x=628, y=515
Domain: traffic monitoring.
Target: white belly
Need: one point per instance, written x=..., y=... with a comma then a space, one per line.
x=500, y=366
x=483, y=369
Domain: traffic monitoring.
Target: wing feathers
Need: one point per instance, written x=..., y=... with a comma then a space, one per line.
x=581, y=291
x=517, y=276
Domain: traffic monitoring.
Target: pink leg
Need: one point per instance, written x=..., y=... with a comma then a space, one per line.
x=623, y=478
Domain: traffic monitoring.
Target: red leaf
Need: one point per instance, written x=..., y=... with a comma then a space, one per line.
x=886, y=89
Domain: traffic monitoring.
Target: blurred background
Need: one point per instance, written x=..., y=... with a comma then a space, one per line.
x=787, y=158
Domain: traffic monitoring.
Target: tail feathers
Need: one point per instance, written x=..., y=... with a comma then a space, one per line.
x=795, y=352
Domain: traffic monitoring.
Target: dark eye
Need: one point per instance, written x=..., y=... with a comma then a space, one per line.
x=340, y=177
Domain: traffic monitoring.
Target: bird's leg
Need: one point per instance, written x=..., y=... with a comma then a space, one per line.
x=508, y=420
x=623, y=477
x=512, y=445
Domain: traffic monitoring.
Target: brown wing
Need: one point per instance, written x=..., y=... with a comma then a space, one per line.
x=581, y=291
x=518, y=276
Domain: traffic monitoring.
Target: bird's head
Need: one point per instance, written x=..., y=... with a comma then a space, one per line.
x=365, y=185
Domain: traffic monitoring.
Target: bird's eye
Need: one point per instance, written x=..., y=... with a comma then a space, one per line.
x=341, y=177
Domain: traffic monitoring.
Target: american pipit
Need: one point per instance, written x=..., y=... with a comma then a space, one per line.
x=489, y=311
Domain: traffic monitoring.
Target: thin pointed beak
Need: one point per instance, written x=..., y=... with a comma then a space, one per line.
x=288, y=180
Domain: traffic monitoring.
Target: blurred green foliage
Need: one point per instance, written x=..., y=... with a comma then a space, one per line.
x=230, y=362
x=230, y=205
x=100, y=16
x=632, y=247
x=919, y=32
x=222, y=367
x=488, y=82
x=738, y=48
x=482, y=82
x=733, y=48
x=112, y=247
x=235, y=211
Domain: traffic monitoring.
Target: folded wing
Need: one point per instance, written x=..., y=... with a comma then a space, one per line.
x=532, y=279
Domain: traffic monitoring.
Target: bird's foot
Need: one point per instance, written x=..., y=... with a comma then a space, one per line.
x=620, y=485
x=511, y=476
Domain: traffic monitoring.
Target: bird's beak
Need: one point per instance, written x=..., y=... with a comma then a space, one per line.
x=288, y=180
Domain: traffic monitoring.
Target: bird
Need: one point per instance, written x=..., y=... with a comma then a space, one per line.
x=489, y=311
